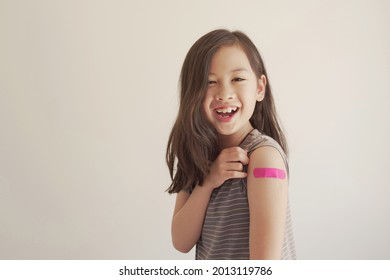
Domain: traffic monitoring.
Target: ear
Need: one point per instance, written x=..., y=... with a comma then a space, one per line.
x=262, y=82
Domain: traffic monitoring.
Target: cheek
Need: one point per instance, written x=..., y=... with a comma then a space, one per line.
x=250, y=104
x=206, y=103
x=254, y=108
x=204, y=107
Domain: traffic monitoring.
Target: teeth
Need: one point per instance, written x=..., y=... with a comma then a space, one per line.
x=226, y=109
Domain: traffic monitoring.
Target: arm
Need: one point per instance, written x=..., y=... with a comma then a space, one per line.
x=190, y=210
x=188, y=217
x=267, y=198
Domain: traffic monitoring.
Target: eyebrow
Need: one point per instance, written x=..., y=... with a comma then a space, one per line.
x=239, y=69
x=235, y=70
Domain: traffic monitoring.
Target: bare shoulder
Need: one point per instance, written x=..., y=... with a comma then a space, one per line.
x=267, y=156
x=266, y=170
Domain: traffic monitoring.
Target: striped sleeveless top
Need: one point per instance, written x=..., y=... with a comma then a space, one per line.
x=225, y=232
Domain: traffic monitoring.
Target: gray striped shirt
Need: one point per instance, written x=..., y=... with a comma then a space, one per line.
x=225, y=232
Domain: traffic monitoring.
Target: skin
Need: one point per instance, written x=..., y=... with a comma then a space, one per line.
x=232, y=82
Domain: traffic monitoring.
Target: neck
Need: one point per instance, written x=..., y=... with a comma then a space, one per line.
x=234, y=140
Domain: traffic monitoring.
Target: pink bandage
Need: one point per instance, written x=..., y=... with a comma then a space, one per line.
x=269, y=173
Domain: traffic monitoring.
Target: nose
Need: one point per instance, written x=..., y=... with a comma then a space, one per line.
x=225, y=93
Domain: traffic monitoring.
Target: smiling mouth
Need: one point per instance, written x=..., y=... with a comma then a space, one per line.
x=226, y=112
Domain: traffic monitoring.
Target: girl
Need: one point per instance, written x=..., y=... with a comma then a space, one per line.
x=227, y=156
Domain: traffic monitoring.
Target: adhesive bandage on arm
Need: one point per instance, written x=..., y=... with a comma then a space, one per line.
x=269, y=173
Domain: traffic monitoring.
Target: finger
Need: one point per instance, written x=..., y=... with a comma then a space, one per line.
x=235, y=149
x=243, y=158
x=237, y=154
x=234, y=166
x=236, y=174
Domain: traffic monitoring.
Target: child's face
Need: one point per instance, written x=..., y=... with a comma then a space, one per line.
x=232, y=92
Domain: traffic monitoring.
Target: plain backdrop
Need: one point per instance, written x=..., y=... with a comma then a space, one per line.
x=88, y=95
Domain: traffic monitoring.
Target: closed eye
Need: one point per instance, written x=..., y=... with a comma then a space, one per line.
x=212, y=83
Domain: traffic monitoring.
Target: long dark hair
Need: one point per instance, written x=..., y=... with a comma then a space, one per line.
x=193, y=142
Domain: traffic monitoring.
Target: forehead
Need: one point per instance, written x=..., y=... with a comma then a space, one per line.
x=229, y=58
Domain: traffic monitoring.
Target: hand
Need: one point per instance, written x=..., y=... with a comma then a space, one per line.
x=229, y=164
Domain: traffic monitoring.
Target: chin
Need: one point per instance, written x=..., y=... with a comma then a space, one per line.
x=225, y=132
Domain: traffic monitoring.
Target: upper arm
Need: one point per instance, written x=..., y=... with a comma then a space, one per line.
x=267, y=198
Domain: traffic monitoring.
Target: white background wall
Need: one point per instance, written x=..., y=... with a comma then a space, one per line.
x=88, y=95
